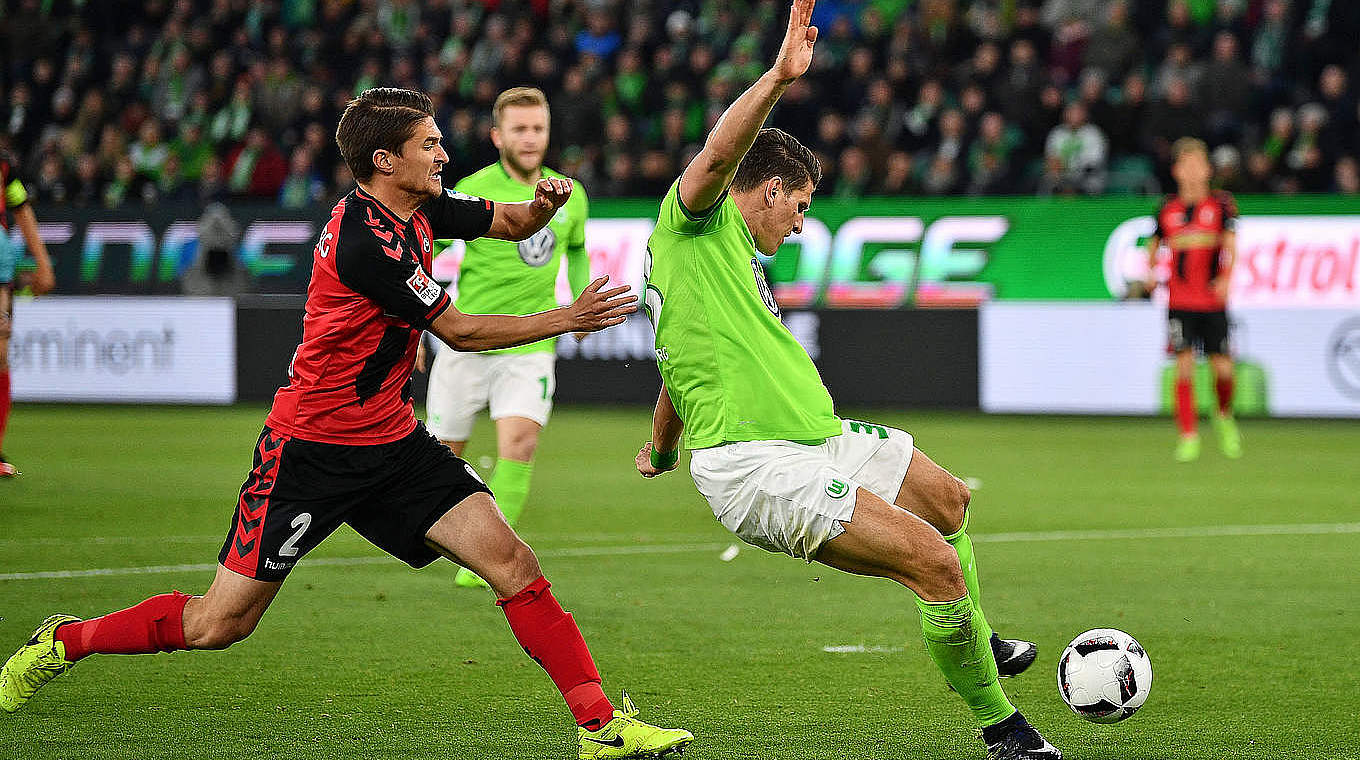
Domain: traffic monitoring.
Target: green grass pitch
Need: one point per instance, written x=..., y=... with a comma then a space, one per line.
x=1253, y=635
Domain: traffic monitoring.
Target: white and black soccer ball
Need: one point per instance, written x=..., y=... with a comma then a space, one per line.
x=1104, y=675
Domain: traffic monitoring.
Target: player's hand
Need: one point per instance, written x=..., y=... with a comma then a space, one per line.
x=422, y=355
x=1150, y=286
x=795, y=54
x=1220, y=286
x=43, y=282
x=551, y=193
x=597, y=308
x=644, y=462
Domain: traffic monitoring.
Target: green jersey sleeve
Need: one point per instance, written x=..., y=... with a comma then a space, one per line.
x=676, y=217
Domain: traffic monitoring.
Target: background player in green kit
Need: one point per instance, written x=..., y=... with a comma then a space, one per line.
x=503, y=277
x=768, y=452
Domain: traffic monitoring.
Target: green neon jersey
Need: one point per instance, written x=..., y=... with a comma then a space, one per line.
x=505, y=277
x=734, y=372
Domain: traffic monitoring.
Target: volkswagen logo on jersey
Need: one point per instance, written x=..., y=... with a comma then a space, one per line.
x=538, y=249
x=763, y=286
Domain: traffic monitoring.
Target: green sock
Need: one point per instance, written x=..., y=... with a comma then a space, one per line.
x=964, y=546
x=953, y=634
x=510, y=484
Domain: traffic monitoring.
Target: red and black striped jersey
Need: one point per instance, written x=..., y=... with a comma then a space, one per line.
x=1194, y=234
x=370, y=297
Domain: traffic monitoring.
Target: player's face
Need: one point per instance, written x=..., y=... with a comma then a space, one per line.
x=522, y=137
x=422, y=158
x=787, y=209
x=1192, y=168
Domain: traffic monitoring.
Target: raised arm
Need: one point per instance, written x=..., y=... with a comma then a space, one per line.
x=595, y=310
x=708, y=175
x=517, y=221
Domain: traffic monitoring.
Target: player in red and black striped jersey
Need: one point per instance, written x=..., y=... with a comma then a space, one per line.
x=1198, y=226
x=342, y=443
x=15, y=211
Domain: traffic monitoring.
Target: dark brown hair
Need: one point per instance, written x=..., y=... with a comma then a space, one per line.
x=776, y=153
x=381, y=118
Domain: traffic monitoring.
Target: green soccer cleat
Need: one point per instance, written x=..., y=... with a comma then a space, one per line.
x=1229, y=439
x=626, y=736
x=37, y=662
x=1187, y=449
x=468, y=579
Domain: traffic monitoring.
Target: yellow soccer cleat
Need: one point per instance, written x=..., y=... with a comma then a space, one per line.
x=626, y=736
x=468, y=579
x=37, y=662
x=1229, y=439
x=1187, y=448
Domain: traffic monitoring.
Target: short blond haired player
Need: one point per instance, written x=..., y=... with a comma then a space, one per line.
x=507, y=277
x=1199, y=226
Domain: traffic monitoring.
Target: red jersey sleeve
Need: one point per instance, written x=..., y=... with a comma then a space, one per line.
x=376, y=264
x=455, y=215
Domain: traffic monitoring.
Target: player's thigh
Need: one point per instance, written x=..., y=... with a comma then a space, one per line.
x=780, y=496
x=475, y=534
x=522, y=385
x=6, y=321
x=297, y=494
x=934, y=494
x=1216, y=335
x=458, y=390
x=886, y=541
x=422, y=481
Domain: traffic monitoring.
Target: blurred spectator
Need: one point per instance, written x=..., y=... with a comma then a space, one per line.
x=1347, y=177
x=1076, y=155
x=255, y=168
x=86, y=85
x=303, y=186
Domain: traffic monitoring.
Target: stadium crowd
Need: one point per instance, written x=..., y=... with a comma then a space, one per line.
x=114, y=102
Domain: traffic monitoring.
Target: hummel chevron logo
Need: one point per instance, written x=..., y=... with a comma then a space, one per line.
x=617, y=741
x=242, y=549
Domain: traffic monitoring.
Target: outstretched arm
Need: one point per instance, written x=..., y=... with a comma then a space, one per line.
x=595, y=310
x=43, y=279
x=661, y=454
x=708, y=175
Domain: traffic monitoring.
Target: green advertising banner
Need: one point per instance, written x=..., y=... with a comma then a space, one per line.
x=872, y=253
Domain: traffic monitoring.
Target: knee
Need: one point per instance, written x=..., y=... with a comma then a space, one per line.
x=955, y=506
x=938, y=574
x=521, y=448
x=219, y=633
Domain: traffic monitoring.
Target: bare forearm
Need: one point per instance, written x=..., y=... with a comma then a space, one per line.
x=666, y=423
x=484, y=332
x=28, y=226
x=517, y=221
x=734, y=133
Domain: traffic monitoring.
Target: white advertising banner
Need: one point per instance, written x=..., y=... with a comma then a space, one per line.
x=112, y=349
x=1109, y=358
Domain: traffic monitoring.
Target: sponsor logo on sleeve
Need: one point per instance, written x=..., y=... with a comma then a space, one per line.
x=426, y=289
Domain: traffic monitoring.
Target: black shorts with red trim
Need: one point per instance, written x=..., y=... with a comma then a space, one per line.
x=1206, y=331
x=300, y=491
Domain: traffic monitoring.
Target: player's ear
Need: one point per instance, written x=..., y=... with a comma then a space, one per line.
x=383, y=160
x=496, y=137
x=772, y=188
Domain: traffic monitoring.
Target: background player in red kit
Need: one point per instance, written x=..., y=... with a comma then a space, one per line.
x=1198, y=225
x=14, y=206
x=342, y=444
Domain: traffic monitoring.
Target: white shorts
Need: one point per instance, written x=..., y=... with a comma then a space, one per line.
x=463, y=384
x=790, y=497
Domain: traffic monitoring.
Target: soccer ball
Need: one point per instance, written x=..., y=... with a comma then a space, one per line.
x=1104, y=675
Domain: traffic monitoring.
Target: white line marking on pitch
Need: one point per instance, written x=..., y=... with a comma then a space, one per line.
x=566, y=553
x=1205, y=531
x=859, y=649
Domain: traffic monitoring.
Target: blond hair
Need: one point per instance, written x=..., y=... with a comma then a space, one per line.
x=518, y=96
x=1188, y=145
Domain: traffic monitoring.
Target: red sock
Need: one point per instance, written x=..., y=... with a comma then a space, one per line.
x=549, y=635
x=4, y=405
x=1185, y=406
x=155, y=625
x=1225, y=394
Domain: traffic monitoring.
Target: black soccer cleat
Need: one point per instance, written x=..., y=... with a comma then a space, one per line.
x=1015, y=739
x=1013, y=656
